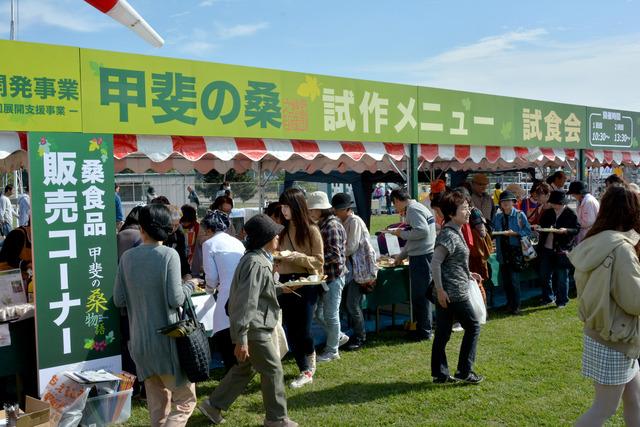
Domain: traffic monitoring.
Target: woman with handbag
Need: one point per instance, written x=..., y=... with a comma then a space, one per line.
x=553, y=248
x=149, y=285
x=253, y=314
x=512, y=225
x=452, y=279
x=302, y=238
x=608, y=283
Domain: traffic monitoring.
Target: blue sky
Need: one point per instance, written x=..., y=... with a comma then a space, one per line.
x=583, y=52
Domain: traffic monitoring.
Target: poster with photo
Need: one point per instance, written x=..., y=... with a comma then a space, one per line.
x=12, y=290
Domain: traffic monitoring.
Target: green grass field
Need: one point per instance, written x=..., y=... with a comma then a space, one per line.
x=379, y=222
x=531, y=364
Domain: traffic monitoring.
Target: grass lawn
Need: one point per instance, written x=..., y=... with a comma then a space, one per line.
x=379, y=222
x=531, y=364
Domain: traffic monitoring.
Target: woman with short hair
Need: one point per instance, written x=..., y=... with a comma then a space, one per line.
x=452, y=280
x=149, y=285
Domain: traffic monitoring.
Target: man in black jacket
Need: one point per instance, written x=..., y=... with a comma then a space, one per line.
x=561, y=227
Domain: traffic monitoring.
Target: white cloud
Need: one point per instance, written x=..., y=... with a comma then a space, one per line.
x=36, y=12
x=242, y=30
x=488, y=46
x=179, y=14
x=206, y=3
x=197, y=48
x=530, y=64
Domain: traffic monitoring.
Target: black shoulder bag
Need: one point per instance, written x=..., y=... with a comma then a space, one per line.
x=192, y=343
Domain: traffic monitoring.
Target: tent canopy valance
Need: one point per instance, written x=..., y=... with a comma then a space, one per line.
x=163, y=153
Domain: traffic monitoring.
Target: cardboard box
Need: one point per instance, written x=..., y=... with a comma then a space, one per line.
x=36, y=414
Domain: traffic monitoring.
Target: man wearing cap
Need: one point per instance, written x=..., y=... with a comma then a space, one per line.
x=588, y=207
x=553, y=248
x=479, y=197
x=356, y=230
x=253, y=315
x=420, y=237
x=512, y=225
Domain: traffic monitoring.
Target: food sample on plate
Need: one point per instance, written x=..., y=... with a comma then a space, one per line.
x=282, y=254
x=386, y=262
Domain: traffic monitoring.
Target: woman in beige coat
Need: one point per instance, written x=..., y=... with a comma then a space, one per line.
x=608, y=282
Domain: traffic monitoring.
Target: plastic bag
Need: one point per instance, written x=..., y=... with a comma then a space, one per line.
x=475, y=296
x=279, y=338
x=67, y=399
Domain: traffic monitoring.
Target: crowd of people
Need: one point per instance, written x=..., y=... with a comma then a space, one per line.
x=164, y=251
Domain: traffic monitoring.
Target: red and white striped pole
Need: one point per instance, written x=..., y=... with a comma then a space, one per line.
x=124, y=13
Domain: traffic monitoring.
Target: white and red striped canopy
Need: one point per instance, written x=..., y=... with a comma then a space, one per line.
x=163, y=153
x=612, y=157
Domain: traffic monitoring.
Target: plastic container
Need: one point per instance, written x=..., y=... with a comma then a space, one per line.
x=107, y=409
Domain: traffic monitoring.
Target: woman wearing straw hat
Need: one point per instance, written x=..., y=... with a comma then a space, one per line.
x=334, y=239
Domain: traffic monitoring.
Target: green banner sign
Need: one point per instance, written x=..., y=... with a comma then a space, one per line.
x=612, y=128
x=153, y=95
x=466, y=118
x=96, y=91
x=73, y=220
x=39, y=87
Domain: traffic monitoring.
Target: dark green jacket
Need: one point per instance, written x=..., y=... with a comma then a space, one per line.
x=253, y=304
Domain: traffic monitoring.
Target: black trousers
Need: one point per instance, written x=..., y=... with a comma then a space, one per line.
x=463, y=313
x=297, y=315
x=221, y=341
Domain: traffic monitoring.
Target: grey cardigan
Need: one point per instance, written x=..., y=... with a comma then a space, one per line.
x=253, y=303
x=149, y=285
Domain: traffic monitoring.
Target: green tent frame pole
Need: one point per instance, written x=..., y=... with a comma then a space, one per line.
x=412, y=173
x=582, y=167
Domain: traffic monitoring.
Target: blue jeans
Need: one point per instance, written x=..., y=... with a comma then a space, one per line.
x=511, y=284
x=6, y=229
x=554, y=272
x=353, y=303
x=328, y=313
x=420, y=274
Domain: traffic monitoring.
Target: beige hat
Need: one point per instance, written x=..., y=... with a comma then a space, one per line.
x=517, y=190
x=318, y=200
x=480, y=179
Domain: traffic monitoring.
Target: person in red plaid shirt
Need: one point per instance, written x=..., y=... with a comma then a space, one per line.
x=334, y=239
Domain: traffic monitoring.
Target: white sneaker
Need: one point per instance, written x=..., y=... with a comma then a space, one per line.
x=311, y=361
x=328, y=356
x=305, y=377
x=457, y=327
x=344, y=338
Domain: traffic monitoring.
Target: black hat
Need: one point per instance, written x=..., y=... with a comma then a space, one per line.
x=577, y=187
x=557, y=197
x=260, y=230
x=342, y=201
x=507, y=195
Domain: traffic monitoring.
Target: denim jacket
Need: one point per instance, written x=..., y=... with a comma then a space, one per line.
x=517, y=222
